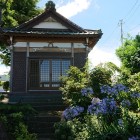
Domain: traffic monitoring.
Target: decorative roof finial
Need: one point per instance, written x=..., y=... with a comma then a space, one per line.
x=50, y=5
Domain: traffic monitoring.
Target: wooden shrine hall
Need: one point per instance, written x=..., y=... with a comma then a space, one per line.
x=43, y=49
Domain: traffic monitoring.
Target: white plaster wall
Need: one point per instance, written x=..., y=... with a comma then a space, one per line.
x=50, y=25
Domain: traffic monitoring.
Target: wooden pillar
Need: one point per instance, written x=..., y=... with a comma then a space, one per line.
x=27, y=63
x=86, y=47
x=72, y=53
x=11, y=48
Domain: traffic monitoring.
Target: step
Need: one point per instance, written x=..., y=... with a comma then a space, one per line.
x=45, y=136
x=47, y=130
x=50, y=107
x=37, y=124
x=3, y=136
x=18, y=97
x=43, y=102
x=43, y=98
x=44, y=119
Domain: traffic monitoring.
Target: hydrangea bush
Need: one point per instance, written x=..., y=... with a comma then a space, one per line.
x=111, y=113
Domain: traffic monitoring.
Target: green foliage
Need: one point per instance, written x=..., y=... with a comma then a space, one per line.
x=63, y=131
x=0, y=83
x=8, y=109
x=16, y=128
x=94, y=128
x=72, y=85
x=5, y=54
x=13, y=118
x=7, y=14
x=129, y=54
x=114, y=131
x=1, y=96
x=124, y=76
x=110, y=113
x=6, y=86
x=111, y=67
x=25, y=10
x=21, y=133
x=134, y=82
x=100, y=76
x=15, y=12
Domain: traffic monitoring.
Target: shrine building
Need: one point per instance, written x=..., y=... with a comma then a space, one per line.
x=43, y=49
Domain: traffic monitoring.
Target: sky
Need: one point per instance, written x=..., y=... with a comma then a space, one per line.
x=105, y=15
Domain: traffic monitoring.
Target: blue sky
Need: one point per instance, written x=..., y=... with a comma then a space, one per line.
x=104, y=15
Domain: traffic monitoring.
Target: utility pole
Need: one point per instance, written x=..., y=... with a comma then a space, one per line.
x=121, y=24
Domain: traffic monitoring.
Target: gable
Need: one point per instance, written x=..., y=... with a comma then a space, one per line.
x=50, y=23
x=50, y=19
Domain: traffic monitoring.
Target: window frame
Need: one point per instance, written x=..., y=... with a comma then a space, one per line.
x=50, y=82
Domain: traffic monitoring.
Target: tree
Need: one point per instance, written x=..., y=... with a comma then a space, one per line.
x=134, y=82
x=25, y=10
x=100, y=76
x=15, y=12
x=5, y=54
x=7, y=14
x=129, y=55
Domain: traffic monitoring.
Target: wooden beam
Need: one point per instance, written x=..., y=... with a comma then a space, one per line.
x=43, y=49
x=59, y=40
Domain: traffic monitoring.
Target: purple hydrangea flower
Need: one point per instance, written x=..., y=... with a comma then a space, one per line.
x=106, y=89
x=134, y=138
x=95, y=101
x=90, y=90
x=92, y=109
x=120, y=122
x=86, y=91
x=113, y=90
x=72, y=112
x=125, y=103
x=108, y=105
x=120, y=88
x=135, y=95
x=103, y=107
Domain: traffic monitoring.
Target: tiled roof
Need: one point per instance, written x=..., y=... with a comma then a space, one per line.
x=56, y=33
x=72, y=31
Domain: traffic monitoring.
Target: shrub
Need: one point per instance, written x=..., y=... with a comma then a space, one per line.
x=63, y=131
x=1, y=96
x=103, y=113
x=13, y=117
x=72, y=86
x=6, y=85
x=134, y=82
x=99, y=76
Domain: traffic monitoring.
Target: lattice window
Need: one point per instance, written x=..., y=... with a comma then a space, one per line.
x=56, y=70
x=46, y=73
x=65, y=67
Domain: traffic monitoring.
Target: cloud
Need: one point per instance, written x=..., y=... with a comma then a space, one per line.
x=74, y=7
x=105, y=52
x=97, y=56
